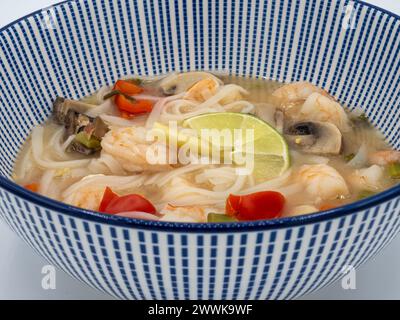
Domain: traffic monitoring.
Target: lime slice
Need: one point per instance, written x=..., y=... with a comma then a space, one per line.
x=182, y=137
x=270, y=153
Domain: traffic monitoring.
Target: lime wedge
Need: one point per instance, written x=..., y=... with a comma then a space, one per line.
x=270, y=152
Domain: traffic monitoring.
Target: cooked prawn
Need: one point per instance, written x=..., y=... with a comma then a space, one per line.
x=385, y=157
x=184, y=213
x=130, y=148
x=88, y=197
x=318, y=107
x=368, y=178
x=323, y=181
x=297, y=91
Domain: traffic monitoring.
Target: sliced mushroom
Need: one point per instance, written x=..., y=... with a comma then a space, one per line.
x=315, y=137
x=89, y=131
x=75, y=122
x=78, y=147
x=180, y=82
x=62, y=106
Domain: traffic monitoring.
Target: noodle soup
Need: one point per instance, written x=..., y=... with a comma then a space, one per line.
x=138, y=149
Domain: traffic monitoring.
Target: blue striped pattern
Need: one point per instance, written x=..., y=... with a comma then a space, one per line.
x=95, y=42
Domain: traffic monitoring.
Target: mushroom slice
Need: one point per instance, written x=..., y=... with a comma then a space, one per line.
x=180, y=82
x=62, y=106
x=315, y=137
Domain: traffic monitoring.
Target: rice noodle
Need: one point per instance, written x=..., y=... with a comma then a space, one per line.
x=46, y=182
x=158, y=108
x=240, y=106
x=270, y=184
x=106, y=107
x=55, y=142
x=173, y=192
x=223, y=93
x=285, y=190
x=102, y=92
x=37, y=151
x=108, y=162
x=117, y=121
x=67, y=142
x=182, y=116
x=181, y=109
x=148, y=97
x=155, y=113
x=100, y=180
x=177, y=172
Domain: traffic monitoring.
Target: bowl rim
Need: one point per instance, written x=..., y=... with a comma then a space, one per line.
x=72, y=211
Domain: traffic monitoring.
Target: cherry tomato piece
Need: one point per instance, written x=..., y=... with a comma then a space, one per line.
x=107, y=197
x=255, y=206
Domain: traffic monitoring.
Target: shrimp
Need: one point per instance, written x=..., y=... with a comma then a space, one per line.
x=87, y=197
x=134, y=152
x=323, y=181
x=202, y=90
x=318, y=107
x=297, y=91
x=384, y=157
x=368, y=178
x=184, y=213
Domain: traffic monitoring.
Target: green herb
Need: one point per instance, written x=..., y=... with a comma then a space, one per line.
x=363, y=117
x=365, y=194
x=117, y=92
x=217, y=217
x=394, y=170
x=111, y=94
x=349, y=157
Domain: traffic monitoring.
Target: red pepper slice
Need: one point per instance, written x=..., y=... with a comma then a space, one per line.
x=133, y=106
x=127, y=87
x=255, y=206
x=113, y=204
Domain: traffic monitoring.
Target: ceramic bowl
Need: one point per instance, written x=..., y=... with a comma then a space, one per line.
x=347, y=47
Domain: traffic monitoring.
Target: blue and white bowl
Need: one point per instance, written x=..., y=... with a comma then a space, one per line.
x=350, y=48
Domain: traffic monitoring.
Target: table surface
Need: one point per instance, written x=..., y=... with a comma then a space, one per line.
x=21, y=269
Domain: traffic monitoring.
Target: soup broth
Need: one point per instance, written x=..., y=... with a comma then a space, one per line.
x=308, y=153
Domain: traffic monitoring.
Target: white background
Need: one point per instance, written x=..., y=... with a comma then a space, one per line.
x=20, y=267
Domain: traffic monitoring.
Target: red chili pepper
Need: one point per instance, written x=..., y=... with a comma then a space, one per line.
x=255, y=206
x=133, y=106
x=34, y=187
x=113, y=204
x=127, y=87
